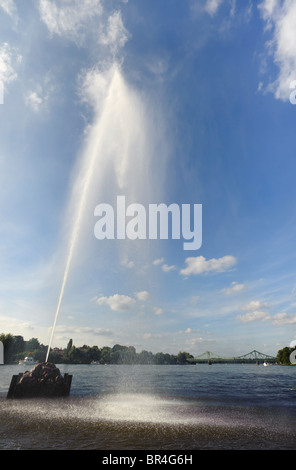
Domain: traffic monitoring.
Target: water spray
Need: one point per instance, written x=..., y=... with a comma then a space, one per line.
x=117, y=113
x=73, y=242
x=92, y=152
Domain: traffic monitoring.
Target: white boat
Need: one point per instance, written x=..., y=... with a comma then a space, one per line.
x=95, y=363
x=266, y=364
x=28, y=361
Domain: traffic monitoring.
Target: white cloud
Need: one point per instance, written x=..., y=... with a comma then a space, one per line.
x=116, y=34
x=9, y=324
x=8, y=56
x=254, y=305
x=268, y=9
x=158, y=311
x=277, y=319
x=40, y=96
x=155, y=335
x=283, y=319
x=75, y=20
x=82, y=330
x=280, y=21
x=117, y=302
x=167, y=268
x=69, y=18
x=200, y=265
x=127, y=263
x=143, y=295
x=212, y=6
x=235, y=287
x=255, y=312
x=189, y=330
x=281, y=18
x=158, y=261
x=255, y=315
x=9, y=7
x=33, y=100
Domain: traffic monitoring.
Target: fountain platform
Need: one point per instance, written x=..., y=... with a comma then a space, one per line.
x=43, y=381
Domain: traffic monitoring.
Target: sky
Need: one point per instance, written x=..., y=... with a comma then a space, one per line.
x=163, y=102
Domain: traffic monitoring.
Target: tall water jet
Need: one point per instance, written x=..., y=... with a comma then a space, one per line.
x=118, y=155
x=73, y=241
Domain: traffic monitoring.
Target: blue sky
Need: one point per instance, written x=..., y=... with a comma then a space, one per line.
x=183, y=102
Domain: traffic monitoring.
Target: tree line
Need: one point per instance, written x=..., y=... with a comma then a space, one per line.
x=16, y=348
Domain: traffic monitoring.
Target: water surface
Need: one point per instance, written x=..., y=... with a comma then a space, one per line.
x=146, y=407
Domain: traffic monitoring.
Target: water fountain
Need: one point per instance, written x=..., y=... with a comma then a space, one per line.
x=118, y=153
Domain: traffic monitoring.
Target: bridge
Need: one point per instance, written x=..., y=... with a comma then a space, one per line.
x=256, y=355
x=207, y=355
x=253, y=356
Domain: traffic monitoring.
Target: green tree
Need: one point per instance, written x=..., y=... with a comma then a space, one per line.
x=283, y=355
x=106, y=355
x=170, y=358
x=13, y=345
x=183, y=357
x=159, y=358
x=94, y=354
x=79, y=355
x=7, y=340
x=128, y=355
x=145, y=357
x=69, y=345
x=32, y=344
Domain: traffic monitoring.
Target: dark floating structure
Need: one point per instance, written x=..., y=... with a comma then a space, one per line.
x=43, y=381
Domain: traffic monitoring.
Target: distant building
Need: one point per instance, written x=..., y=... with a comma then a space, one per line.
x=58, y=350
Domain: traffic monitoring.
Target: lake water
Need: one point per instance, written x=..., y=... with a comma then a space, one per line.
x=120, y=407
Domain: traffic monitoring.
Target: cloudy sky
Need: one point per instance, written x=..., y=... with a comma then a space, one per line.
x=185, y=102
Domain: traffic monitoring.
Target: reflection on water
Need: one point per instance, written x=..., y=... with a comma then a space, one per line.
x=176, y=411
x=139, y=408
